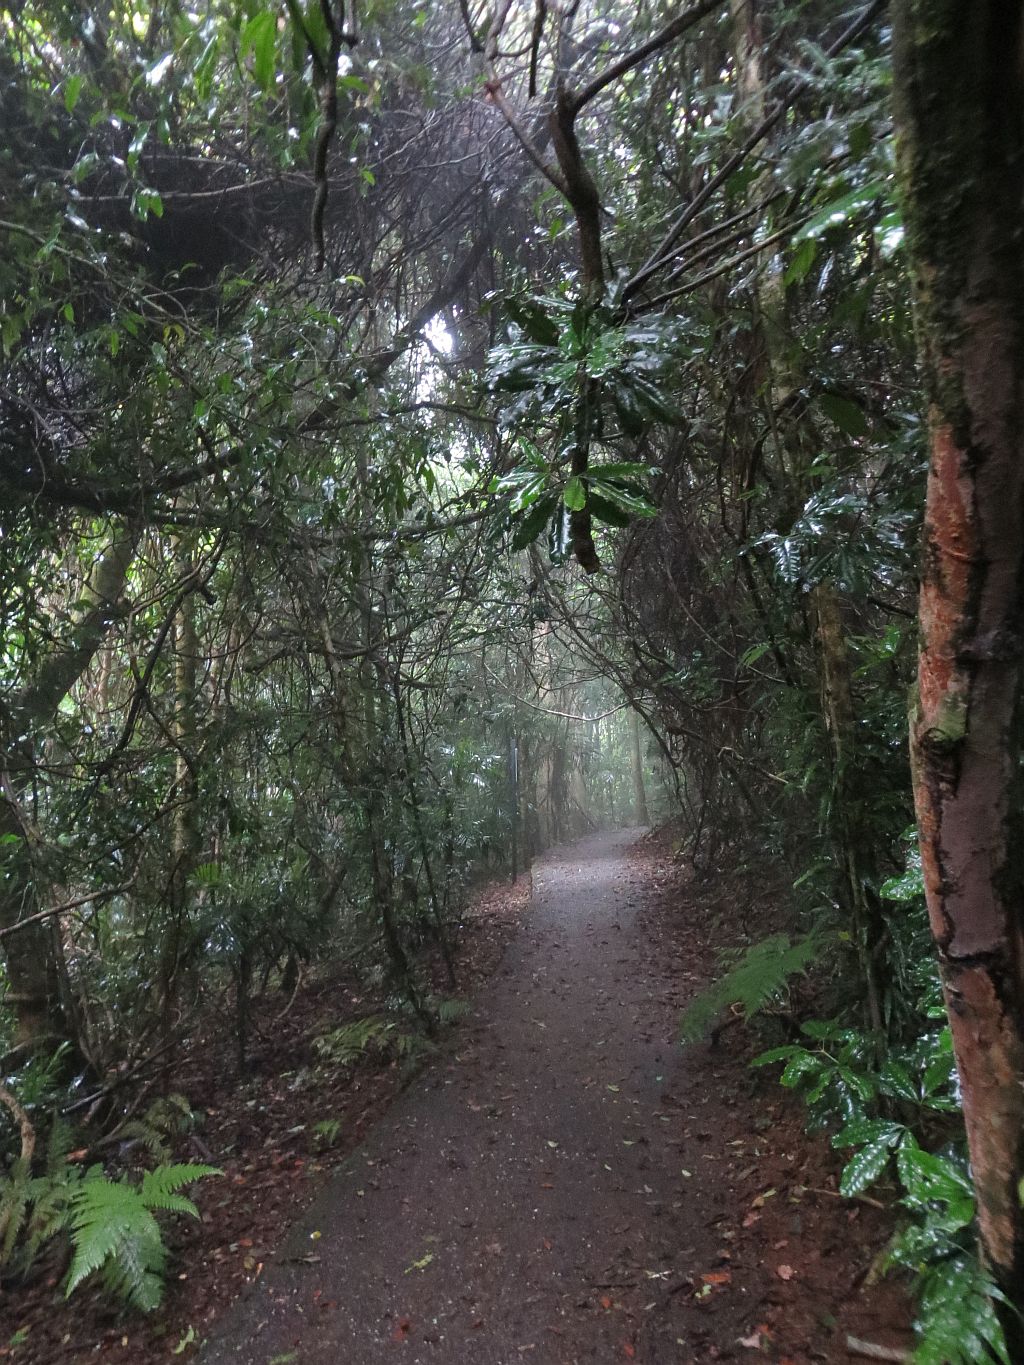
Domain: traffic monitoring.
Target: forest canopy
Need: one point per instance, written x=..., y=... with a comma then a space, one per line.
x=429, y=430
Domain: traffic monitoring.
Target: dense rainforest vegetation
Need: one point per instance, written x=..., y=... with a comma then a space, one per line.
x=431, y=428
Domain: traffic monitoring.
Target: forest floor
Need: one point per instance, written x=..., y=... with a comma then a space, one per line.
x=560, y=1183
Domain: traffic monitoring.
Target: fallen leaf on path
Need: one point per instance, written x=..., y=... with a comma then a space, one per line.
x=785, y=1272
x=606, y=1302
x=756, y=1340
x=421, y=1264
x=628, y=1349
x=717, y=1277
x=401, y=1330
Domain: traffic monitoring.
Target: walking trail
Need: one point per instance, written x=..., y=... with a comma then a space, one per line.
x=553, y=1189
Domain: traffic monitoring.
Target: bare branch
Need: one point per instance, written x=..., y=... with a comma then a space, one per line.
x=673, y=30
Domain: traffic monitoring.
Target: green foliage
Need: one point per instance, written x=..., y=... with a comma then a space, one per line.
x=167, y=1118
x=842, y=1080
x=451, y=1010
x=33, y=1207
x=376, y=1035
x=326, y=1132
x=956, y=1323
x=348, y=1044
x=759, y=977
x=114, y=1231
x=111, y=1223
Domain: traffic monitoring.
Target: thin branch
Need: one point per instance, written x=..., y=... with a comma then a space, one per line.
x=28, y=1133
x=797, y=87
x=672, y=30
x=93, y=897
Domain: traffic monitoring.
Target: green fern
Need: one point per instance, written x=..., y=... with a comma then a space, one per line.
x=451, y=1010
x=345, y=1045
x=15, y=1202
x=757, y=978
x=33, y=1208
x=166, y=1118
x=114, y=1232
x=376, y=1033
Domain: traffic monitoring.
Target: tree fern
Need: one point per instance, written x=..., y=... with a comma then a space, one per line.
x=114, y=1232
x=758, y=977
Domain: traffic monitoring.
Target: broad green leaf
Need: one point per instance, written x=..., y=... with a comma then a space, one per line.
x=72, y=92
x=847, y=206
x=631, y=503
x=606, y=511
x=575, y=494
x=533, y=524
x=864, y=1168
x=259, y=36
x=847, y=415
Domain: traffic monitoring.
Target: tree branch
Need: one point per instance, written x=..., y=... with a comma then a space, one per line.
x=673, y=30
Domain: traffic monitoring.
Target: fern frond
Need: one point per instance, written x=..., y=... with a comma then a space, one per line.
x=58, y=1145
x=346, y=1044
x=757, y=978
x=51, y=1200
x=110, y=1222
x=449, y=1011
x=166, y=1118
x=160, y=1187
x=113, y=1230
x=15, y=1195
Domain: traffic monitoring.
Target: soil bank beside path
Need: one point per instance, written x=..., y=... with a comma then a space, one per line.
x=564, y=1183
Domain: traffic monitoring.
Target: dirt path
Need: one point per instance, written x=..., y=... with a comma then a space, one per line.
x=542, y=1193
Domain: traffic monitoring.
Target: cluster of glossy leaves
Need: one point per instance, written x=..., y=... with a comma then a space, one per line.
x=576, y=374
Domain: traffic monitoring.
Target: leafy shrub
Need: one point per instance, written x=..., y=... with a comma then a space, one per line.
x=839, y=1080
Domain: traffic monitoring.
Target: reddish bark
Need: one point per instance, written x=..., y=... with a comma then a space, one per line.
x=960, y=109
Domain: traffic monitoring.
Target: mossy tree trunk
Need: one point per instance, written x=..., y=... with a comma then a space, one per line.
x=28, y=950
x=960, y=113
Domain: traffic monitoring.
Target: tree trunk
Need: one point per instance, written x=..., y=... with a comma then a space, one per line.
x=851, y=836
x=28, y=952
x=960, y=112
x=186, y=836
x=639, y=791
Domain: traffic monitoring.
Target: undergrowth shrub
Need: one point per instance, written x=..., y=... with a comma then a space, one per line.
x=893, y=1106
x=110, y=1224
